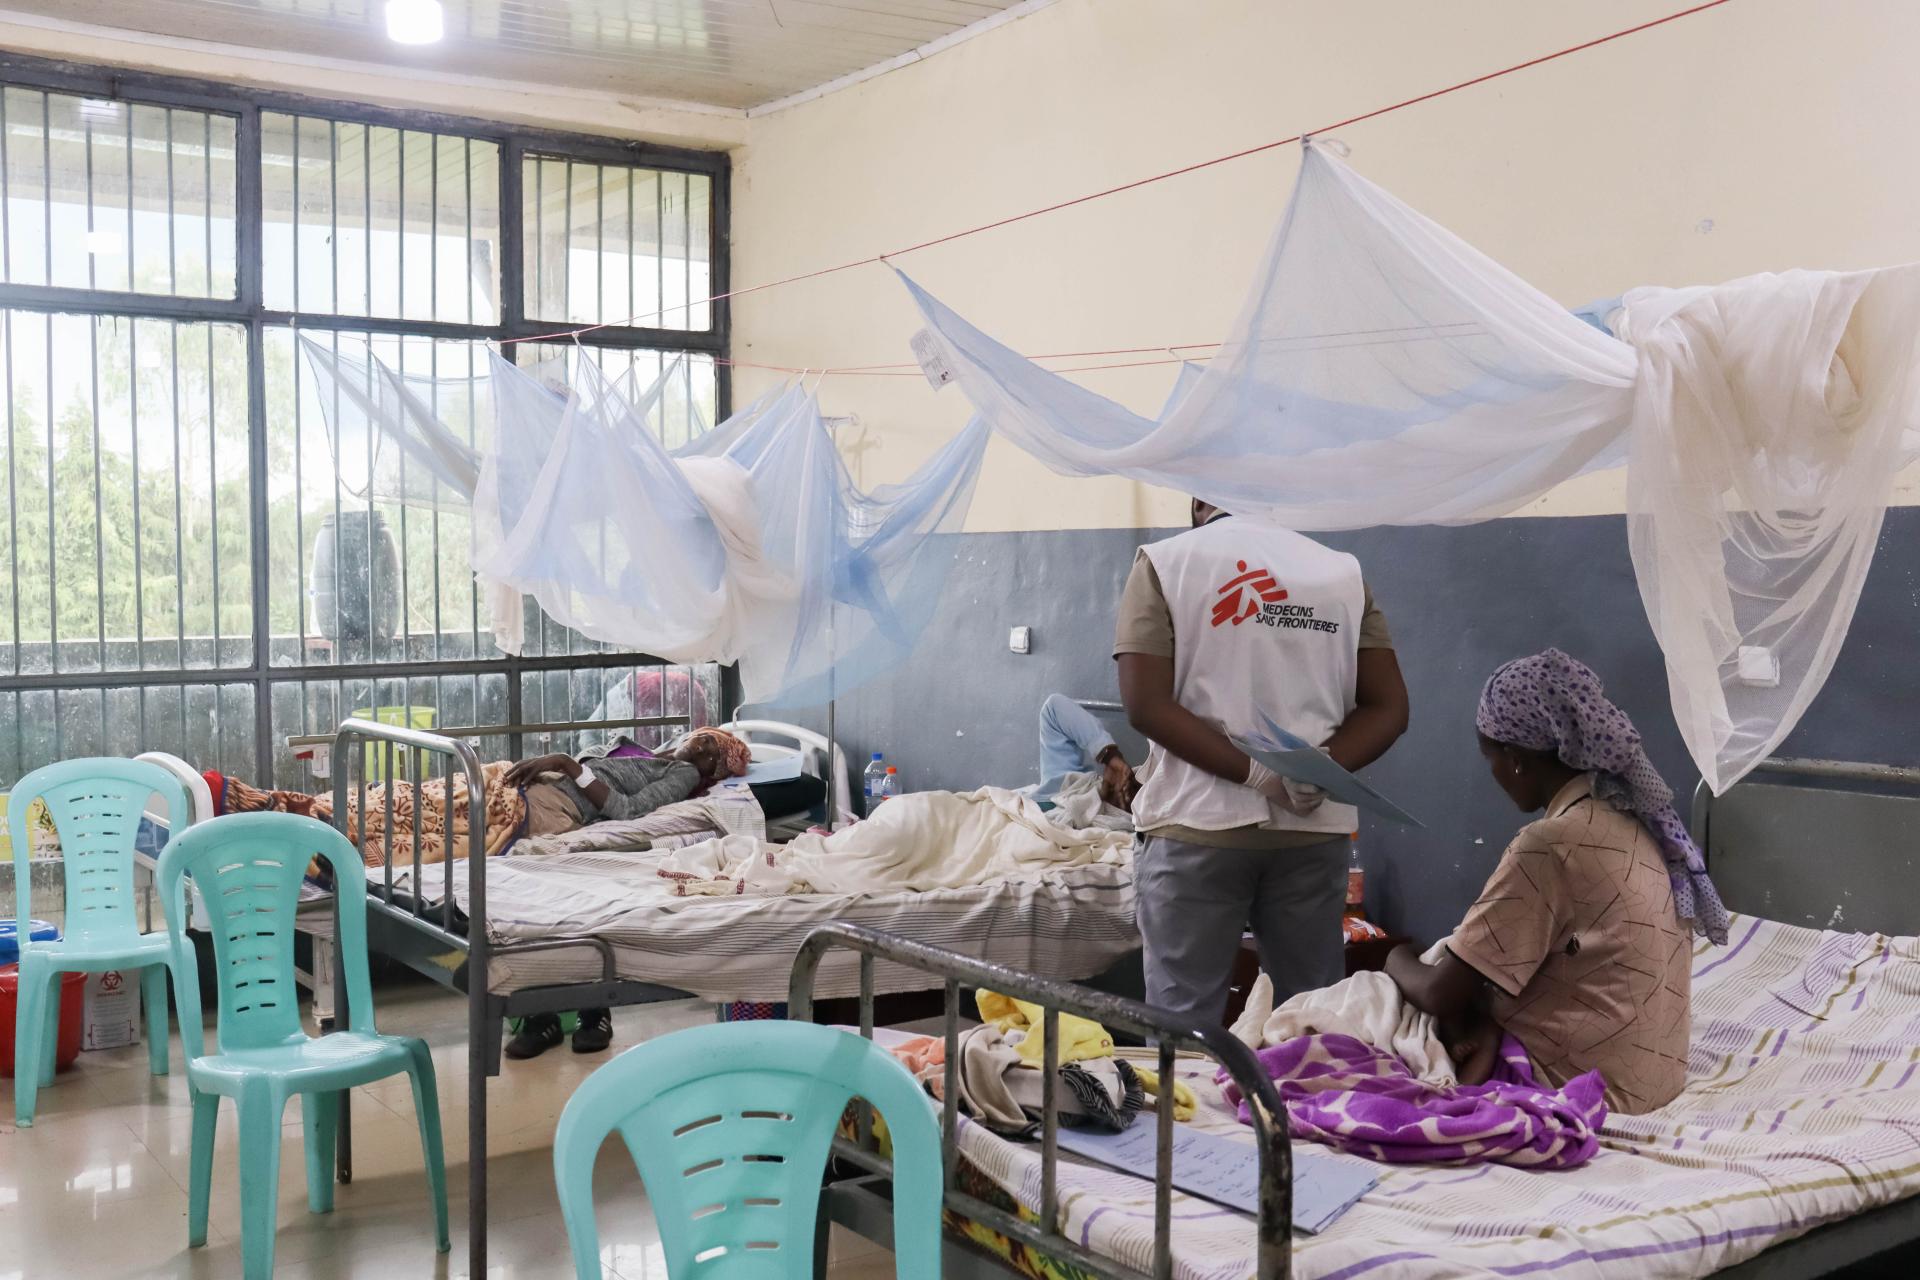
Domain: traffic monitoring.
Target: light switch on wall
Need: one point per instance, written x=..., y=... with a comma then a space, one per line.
x=1020, y=640
x=1759, y=667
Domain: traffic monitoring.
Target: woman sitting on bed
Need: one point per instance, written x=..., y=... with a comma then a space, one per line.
x=1581, y=945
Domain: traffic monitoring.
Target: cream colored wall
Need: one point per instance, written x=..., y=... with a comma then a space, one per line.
x=1760, y=135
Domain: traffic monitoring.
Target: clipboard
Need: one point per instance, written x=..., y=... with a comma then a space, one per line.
x=1293, y=757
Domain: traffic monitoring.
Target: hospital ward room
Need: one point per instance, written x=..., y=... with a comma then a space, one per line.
x=970, y=639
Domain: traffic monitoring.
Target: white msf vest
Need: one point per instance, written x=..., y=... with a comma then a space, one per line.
x=1263, y=620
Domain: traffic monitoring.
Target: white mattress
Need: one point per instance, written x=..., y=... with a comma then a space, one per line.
x=1799, y=1110
x=1073, y=924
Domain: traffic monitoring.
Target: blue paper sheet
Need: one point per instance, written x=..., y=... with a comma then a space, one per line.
x=1293, y=757
x=1228, y=1172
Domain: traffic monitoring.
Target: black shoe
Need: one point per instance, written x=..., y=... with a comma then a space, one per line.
x=537, y=1034
x=595, y=1031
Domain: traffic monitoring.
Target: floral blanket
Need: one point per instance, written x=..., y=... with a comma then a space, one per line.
x=422, y=809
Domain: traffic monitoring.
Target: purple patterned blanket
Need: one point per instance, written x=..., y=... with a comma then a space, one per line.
x=1356, y=1098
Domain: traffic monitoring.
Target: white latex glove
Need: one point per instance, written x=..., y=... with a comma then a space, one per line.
x=1297, y=798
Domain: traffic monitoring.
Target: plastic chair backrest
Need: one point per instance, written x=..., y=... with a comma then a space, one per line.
x=248, y=867
x=96, y=806
x=730, y=1126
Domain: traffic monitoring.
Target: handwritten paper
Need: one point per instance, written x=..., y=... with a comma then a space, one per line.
x=1227, y=1172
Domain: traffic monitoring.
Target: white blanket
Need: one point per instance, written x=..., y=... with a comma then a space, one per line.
x=1367, y=1006
x=917, y=842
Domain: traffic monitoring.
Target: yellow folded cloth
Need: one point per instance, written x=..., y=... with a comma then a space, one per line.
x=1081, y=1039
x=1184, y=1101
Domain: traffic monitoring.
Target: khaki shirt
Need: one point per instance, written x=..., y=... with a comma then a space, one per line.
x=1146, y=626
x=1578, y=932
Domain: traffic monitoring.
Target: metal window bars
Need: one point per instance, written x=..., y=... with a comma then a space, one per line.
x=858, y=1198
x=192, y=212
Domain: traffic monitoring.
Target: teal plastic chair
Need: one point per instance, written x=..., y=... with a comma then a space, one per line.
x=730, y=1126
x=96, y=806
x=248, y=868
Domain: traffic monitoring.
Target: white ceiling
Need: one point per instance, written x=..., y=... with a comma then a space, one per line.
x=721, y=53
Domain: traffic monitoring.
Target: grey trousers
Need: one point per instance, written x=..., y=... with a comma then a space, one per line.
x=1194, y=903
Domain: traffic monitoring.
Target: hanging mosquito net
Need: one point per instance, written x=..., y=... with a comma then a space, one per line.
x=1382, y=371
x=750, y=543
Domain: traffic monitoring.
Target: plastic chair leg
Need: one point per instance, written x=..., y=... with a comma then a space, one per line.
x=426, y=1106
x=206, y=1116
x=29, y=1030
x=153, y=994
x=260, y=1110
x=50, y=1035
x=320, y=1114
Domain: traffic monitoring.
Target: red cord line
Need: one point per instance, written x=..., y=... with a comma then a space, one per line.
x=1130, y=186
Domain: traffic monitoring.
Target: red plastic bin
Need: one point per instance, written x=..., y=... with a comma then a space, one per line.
x=73, y=987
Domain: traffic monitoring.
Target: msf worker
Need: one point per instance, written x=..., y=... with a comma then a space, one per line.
x=1218, y=625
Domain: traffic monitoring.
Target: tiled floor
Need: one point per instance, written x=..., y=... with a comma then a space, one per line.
x=96, y=1189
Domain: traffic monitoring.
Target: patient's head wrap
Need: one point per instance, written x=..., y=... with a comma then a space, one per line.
x=1551, y=702
x=738, y=755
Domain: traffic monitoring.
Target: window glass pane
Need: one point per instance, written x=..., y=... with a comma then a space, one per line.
x=682, y=696
x=208, y=725
x=354, y=580
x=111, y=195
x=439, y=702
x=137, y=429
x=615, y=244
x=363, y=220
x=688, y=402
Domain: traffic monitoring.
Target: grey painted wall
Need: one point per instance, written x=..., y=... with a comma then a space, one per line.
x=1459, y=600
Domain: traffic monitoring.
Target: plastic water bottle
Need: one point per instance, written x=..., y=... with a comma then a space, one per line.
x=1356, y=879
x=887, y=788
x=872, y=778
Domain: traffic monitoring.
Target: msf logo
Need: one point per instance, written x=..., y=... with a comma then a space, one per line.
x=1243, y=597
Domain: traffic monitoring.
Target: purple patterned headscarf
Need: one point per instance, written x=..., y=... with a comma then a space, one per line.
x=1551, y=702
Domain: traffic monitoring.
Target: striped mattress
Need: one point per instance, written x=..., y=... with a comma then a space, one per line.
x=1802, y=1108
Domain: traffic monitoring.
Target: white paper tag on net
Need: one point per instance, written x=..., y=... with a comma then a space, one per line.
x=933, y=361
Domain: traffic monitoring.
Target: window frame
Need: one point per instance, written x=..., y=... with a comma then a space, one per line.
x=247, y=309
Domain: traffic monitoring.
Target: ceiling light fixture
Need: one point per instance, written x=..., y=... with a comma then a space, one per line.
x=415, y=21
x=105, y=244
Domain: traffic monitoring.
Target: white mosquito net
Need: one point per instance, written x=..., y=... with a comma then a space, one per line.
x=389, y=442
x=750, y=543
x=1382, y=371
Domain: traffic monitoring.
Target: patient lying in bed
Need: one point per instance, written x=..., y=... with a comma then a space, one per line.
x=541, y=796
x=565, y=793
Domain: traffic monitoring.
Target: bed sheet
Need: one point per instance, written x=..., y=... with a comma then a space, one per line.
x=1075, y=924
x=1802, y=1107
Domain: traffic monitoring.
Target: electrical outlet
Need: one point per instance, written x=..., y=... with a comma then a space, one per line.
x=1020, y=640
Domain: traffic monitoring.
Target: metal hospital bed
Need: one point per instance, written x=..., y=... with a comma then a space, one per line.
x=1861, y=818
x=428, y=940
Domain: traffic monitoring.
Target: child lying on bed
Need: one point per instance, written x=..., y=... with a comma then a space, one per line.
x=1581, y=945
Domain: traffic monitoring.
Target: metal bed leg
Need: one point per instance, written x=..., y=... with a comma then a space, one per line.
x=490, y=1045
x=822, y=1237
x=477, y=1026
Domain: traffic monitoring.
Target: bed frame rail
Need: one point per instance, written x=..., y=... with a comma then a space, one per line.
x=421, y=936
x=1170, y=1033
